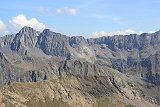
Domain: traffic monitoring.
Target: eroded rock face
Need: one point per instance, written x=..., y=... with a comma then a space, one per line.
x=128, y=42
x=53, y=43
x=27, y=37
x=153, y=68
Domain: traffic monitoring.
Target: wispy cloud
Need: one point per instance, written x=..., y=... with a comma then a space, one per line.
x=106, y=17
x=98, y=16
x=42, y=10
x=103, y=33
x=67, y=10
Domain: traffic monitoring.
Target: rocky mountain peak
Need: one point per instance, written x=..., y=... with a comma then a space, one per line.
x=47, y=31
x=26, y=29
x=52, y=43
x=77, y=41
x=27, y=37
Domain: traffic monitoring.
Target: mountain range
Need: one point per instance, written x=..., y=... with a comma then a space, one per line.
x=47, y=69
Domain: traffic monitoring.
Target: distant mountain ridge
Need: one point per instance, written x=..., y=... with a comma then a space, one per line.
x=32, y=56
x=119, y=52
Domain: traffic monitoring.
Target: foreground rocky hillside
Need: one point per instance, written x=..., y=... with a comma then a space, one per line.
x=122, y=70
x=113, y=90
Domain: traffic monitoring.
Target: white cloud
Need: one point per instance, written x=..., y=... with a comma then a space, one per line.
x=17, y=22
x=2, y=25
x=21, y=21
x=67, y=10
x=102, y=33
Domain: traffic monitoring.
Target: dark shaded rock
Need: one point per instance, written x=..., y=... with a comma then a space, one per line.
x=53, y=43
x=7, y=71
x=120, y=65
x=77, y=41
x=27, y=37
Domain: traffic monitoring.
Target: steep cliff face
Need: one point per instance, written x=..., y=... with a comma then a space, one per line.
x=26, y=38
x=129, y=42
x=78, y=68
x=7, y=71
x=152, y=64
x=53, y=43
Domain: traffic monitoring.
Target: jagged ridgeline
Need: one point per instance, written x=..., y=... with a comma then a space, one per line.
x=96, y=69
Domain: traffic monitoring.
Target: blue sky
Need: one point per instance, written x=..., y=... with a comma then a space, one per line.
x=82, y=17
